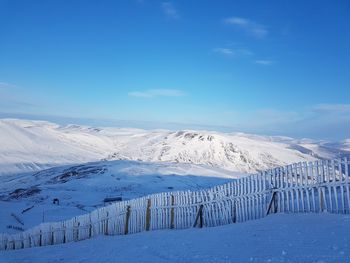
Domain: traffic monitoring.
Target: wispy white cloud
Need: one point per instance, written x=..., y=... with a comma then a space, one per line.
x=152, y=93
x=11, y=97
x=332, y=108
x=265, y=62
x=328, y=121
x=170, y=11
x=230, y=52
x=224, y=51
x=270, y=116
x=5, y=85
x=250, y=27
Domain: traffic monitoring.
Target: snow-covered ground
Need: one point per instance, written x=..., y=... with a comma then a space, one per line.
x=82, y=188
x=79, y=165
x=318, y=238
x=28, y=146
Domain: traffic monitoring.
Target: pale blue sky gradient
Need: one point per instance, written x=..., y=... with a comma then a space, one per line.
x=276, y=67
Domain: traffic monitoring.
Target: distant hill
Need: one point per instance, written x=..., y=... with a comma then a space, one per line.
x=34, y=145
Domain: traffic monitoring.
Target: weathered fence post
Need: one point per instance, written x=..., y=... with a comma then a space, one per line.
x=106, y=229
x=40, y=238
x=90, y=226
x=199, y=217
x=76, y=230
x=127, y=217
x=148, y=215
x=272, y=204
x=322, y=205
x=172, y=213
x=234, y=212
x=64, y=234
x=51, y=235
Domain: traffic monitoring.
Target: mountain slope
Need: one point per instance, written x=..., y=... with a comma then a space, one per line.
x=81, y=188
x=34, y=145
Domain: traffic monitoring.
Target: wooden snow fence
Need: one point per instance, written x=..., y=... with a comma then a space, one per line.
x=297, y=188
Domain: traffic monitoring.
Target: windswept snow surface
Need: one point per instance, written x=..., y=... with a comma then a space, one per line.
x=82, y=188
x=34, y=145
x=317, y=238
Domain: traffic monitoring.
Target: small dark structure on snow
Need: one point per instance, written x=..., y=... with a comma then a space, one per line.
x=112, y=199
x=56, y=201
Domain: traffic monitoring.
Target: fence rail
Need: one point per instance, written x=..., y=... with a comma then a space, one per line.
x=302, y=187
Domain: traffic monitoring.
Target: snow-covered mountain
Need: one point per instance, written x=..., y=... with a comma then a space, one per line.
x=35, y=145
x=86, y=164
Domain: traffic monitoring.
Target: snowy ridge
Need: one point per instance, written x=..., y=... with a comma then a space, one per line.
x=34, y=145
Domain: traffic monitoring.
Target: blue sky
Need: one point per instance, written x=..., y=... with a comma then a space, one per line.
x=268, y=67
